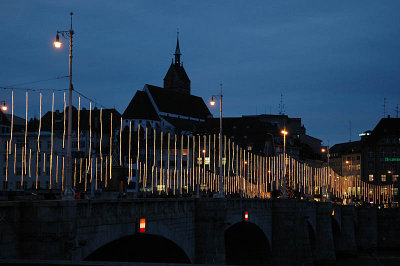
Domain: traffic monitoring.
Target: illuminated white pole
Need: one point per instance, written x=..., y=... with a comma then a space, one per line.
x=221, y=173
x=69, y=192
x=284, y=133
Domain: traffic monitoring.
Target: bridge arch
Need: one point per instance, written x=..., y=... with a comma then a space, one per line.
x=115, y=232
x=140, y=247
x=246, y=243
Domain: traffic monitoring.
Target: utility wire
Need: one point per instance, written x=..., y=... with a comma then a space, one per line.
x=37, y=81
x=87, y=98
x=31, y=89
x=47, y=89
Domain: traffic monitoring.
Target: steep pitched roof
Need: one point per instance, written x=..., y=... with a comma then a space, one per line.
x=140, y=107
x=177, y=103
x=18, y=123
x=387, y=126
x=84, y=120
x=183, y=124
x=179, y=71
x=177, y=79
x=346, y=148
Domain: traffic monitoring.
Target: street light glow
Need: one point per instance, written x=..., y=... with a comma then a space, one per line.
x=4, y=107
x=284, y=132
x=323, y=150
x=212, y=102
x=57, y=43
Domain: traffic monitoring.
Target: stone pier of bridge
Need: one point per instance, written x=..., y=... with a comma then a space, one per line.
x=295, y=232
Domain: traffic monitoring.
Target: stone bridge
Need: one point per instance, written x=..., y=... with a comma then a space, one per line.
x=206, y=230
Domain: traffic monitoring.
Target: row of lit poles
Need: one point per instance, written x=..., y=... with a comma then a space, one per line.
x=68, y=191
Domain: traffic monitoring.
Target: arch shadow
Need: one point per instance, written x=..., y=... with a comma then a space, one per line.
x=246, y=244
x=335, y=232
x=311, y=237
x=140, y=248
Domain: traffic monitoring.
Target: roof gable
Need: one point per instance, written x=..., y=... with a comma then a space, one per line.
x=140, y=107
x=181, y=104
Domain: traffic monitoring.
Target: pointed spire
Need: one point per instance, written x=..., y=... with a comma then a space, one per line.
x=177, y=50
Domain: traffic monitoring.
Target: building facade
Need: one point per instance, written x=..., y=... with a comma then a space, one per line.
x=380, y=154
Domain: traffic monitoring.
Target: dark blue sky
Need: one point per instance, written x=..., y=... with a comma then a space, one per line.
x=333, y=61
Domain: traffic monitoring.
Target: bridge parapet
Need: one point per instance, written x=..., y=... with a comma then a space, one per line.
x=72, y=230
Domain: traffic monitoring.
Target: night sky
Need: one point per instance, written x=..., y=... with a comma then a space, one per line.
x=333, y=61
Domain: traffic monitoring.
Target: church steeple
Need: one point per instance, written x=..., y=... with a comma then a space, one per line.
x=177, y=51
x=176, y=78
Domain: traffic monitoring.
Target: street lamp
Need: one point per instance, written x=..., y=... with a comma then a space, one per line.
x=57, y=42
x=323, y=150
x=4, y=107
x=69, y=192
x=221, y=173
x=284, y=133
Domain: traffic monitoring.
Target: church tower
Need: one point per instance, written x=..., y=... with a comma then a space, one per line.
x=176, y=78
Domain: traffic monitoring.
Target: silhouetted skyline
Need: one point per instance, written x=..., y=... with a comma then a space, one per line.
x=333, y=62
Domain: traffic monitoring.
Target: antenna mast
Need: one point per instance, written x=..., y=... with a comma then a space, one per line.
x=349, y=130
x=384, y=107
x=281, y=106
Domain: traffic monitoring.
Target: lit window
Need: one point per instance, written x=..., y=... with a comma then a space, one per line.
x=371, y=178
x=395, y=178
x=383, y=178
x=395, y=191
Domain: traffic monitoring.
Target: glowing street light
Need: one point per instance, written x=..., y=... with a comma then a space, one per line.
x=212, y=102
x=284, y=133
x=4, y=107
x=57, y=43
x=69, y=193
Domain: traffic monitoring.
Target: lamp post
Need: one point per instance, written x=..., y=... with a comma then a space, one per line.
x=284, y=133
x=328, y=199
x=221, y=173
x=69, y=192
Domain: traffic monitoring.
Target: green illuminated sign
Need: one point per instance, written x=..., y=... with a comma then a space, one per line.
x=392, y=159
